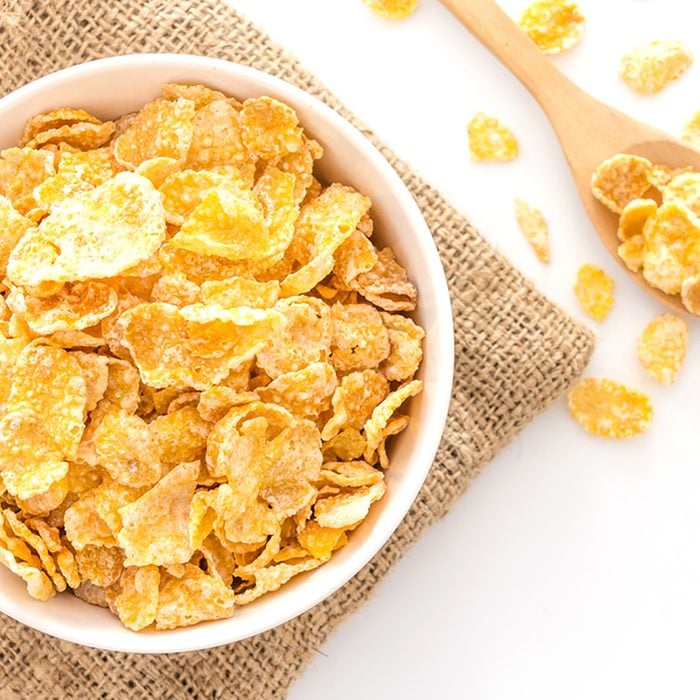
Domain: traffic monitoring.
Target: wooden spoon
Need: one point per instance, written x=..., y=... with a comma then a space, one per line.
x=588, y=130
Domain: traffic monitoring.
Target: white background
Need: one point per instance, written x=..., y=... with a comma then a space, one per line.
x=571, y=568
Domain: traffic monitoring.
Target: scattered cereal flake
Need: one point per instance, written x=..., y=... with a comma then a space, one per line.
x=604, y=407
x=662, y=346
x=534, y=227
x=650, y=68
x=691, y=131
x=156, y=526
x=269, y=128
x=621, y=179
x=375, y=426
x=360, y=339
x=392, y=9
x=631, y=252
x=594, y=290
x=490, y=139
x=353, y=257
x=161, y=128
x=672, y=247
x=76, y=306
x=690, y=294
x=97, y=234
x=194, y=597
x=553, y=25
x=634, y=216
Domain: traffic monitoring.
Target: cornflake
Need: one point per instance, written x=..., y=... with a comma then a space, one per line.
x=553, y=25
x=604, y=407
x=594, y=290
x=203, y=356
x=662, y=346
x=534, y=228
x=392, y=9
x=490, y=139
x=650, y=68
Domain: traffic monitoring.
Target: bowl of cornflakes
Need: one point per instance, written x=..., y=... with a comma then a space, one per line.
x=226, y=352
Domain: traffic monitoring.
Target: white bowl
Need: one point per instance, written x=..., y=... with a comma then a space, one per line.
x=114, y=86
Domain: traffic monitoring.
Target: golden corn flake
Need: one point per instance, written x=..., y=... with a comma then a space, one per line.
x=127, y=449
x=604, y=407
x=156, y=526
x=55, y=119
x=594, y=290
x=304, y=393
x=163, y=128
x=77, y=173
x=136, y=604
x=553, y=25
x=198, y=341
x=691, y=131
x=14, y=226
x=192, y=598
x=672, y=247
x=621, y=179
x=392, y=9
x=690, y=294
x=631, y=252
x=269, y=128
x=21, y=170
x=80, y=135
x=685, y=189
x=534, y=228
x=360, y=339
x=75, y=306
x=490, y=139
x=97, y=234
x=634, y=216
x=650, y=68
x=662, y=346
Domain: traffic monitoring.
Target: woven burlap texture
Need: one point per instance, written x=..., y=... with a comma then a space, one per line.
x=515, y=354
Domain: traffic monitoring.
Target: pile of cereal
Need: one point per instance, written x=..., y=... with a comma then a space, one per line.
x=202, y=357
x=660, y=239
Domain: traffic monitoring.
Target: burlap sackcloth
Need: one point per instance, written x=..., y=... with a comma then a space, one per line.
x=515, y=354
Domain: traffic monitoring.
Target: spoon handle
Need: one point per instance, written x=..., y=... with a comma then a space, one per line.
x=504, y=39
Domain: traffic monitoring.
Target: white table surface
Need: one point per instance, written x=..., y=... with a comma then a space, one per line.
x=571, y=568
